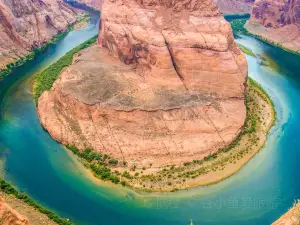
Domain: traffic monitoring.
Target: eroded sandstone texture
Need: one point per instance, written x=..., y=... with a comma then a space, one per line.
x=8, y=216
x=27, y=24
x=166, y=87
x=97, y=4
x=278, y=21
x=292, y=217
x=235, y=6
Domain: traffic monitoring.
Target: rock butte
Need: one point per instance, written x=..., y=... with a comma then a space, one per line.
x=9, y=216
x=27, y=24
x=165, y=86
x=277, y=21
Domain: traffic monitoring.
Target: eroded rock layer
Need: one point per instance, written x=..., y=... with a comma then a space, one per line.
x=9, y=216
x=27, y=24
x=166, y=87
x=278, y=21
x=235, y=6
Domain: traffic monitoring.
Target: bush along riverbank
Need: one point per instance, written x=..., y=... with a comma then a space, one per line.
x=238, y=27
x=45, y=80
x=35, y=52
x=10, y=190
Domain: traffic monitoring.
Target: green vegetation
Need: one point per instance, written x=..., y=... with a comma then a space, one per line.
x=99, y=164
x=35, y=52
x=45, y=80
x=9, y=189
x=246, y=50
x=238, y=26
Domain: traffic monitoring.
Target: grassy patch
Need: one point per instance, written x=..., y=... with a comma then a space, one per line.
x=246, y=50
x=9, y=189
x=45, y=80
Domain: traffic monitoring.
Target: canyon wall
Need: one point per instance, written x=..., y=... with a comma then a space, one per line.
x=235, y=6
x=97, y=4
x=27, y=24
x=277, y=21
x=165, y=86
x=9, y=216
x=292, y=217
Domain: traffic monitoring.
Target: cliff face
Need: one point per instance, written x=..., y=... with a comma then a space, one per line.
x=235, y=6
x=166, y=87
x=292, y=217
x=278, y=21
x=97, y=4
x=9, y=216
x=26, y=24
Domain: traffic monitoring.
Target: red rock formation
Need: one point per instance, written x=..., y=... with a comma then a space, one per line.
x=277, y=21
x=26, y=24
x=97, y=4
x=176, y=95
x=235, y=6
x=9, y=216
x=292, y=217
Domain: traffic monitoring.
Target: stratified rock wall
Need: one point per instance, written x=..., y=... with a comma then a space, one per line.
x=292, y=217
x=277, y=21
x=9, y=216
x=166, y=87
x=235, y=6
x=26, y=24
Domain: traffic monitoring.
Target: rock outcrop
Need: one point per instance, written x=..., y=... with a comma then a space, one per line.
x=27, y=24
x=9, y=216
x=97, y=4
x=235, y=6
x=277, y=21
x=166, y=87
x=292, y=217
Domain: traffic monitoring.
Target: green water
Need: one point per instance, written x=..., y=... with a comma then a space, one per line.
x=263, y=190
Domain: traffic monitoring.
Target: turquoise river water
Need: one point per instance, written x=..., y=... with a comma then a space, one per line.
x=263, y=190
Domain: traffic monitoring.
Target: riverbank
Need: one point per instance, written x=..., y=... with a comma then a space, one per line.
x=55, y=39
x=292, y=217
x=238, y=27
x=45, y=80
x=36, y=214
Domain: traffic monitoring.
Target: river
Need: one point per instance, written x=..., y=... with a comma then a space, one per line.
x=263, y=190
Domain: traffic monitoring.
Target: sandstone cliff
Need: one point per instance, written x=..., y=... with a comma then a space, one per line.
x=235, y=6
x=292, y=217
x=9, y=216
x=166, y=87
x=277, y=21
x=97, y=4
x=26, y=24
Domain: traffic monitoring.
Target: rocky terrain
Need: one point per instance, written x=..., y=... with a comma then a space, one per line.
x=292, y=217
x=97, y=4
x=278, y=21
x=235, y=6
x=27, y=24
x=9, y=216
x=165, y=86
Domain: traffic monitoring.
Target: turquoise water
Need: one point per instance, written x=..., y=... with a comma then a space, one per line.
x=263, y=190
